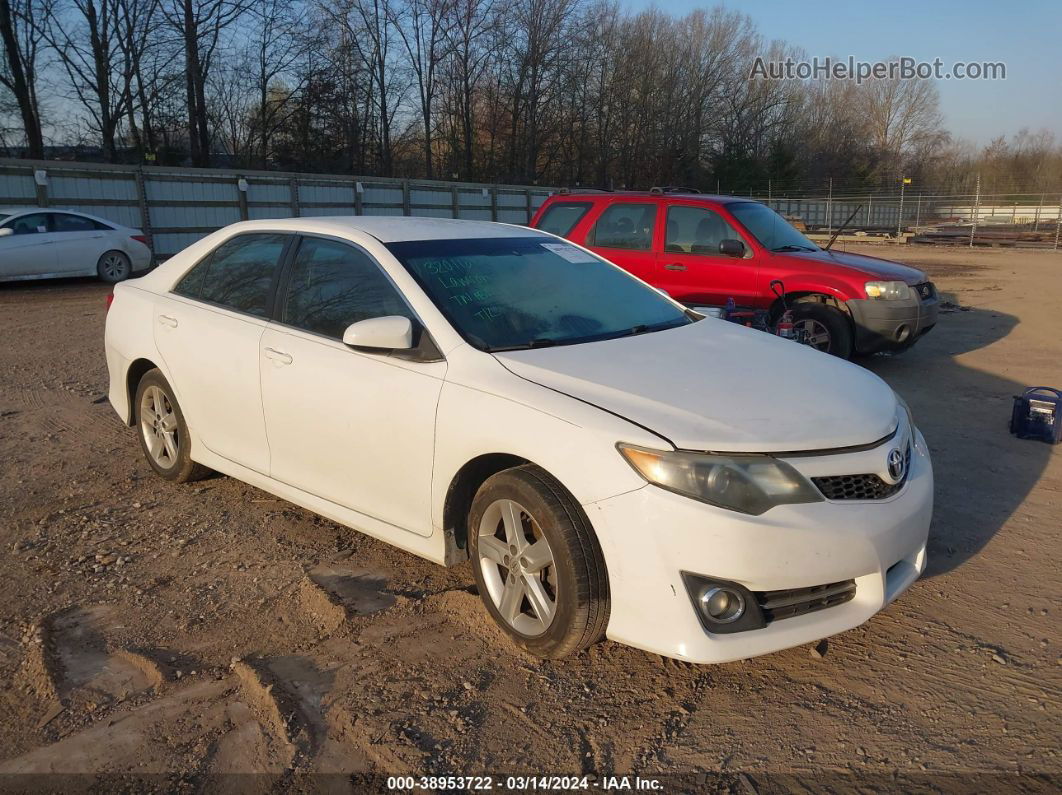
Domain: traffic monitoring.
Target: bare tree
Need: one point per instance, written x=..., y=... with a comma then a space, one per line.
x=22, y=45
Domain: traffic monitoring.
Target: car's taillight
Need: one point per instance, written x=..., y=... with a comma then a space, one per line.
x=140, y=239
x=110, y=300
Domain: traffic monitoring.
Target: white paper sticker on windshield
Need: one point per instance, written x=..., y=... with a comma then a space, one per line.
x=570, y=253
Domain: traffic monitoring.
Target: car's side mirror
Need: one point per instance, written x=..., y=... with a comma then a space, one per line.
x=7, y=230
x=732, y=248
x=392, y=332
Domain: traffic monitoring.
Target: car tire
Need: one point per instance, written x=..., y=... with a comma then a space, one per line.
x=114, y=267
x=523, y=583
x=163, y=431
x=829, y=329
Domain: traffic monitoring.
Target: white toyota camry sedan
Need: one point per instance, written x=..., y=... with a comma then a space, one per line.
x=612, y=463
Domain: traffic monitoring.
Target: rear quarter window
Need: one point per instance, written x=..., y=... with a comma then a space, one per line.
x=560, y=218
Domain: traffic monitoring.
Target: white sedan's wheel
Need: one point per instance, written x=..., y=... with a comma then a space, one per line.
x=114, y=267
x=163, y=432
x=517, y=565
x=537, y=562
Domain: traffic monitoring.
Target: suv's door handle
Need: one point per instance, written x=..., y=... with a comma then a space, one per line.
x=278, y=356
x=674, y=266
x=167, y=320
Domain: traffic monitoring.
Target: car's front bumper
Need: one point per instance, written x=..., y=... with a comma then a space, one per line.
x=650, y=536
x=892, y=325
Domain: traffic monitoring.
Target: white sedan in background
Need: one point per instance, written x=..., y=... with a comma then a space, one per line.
x=39, y=243
x=610, y=462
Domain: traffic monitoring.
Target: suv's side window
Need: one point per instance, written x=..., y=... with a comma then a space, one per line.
x=29, y=224
x=624, y=225
x=333, y=285
x=238, y=274
x=696, y=230
x=561, y=218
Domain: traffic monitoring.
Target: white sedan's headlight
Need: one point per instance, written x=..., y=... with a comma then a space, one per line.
x=746, y=483
x=887, y=291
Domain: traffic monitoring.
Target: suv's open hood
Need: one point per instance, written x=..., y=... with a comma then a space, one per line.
x=874, y=267
x=713, y=385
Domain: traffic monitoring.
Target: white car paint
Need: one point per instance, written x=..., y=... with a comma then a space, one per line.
x=375, y=443
x=46, y=253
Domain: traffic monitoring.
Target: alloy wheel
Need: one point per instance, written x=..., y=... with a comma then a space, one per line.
x=114, y=267
x=158, y=424
x=813, y=333
x=518, y=567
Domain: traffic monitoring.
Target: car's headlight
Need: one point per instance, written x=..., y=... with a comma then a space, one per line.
x=887, y=291
x=746, y=483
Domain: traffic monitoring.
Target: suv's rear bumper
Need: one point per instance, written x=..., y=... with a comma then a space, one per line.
x=891, y=325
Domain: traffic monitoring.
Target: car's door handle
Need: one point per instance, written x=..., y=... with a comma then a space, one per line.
x=167, y=320
x=674, y=266
x=278, y=356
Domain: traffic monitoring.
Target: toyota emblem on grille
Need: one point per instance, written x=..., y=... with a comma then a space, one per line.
x=896, y=465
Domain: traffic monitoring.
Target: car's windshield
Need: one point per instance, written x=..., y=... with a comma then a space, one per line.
x=526, y=292
x=772, y=230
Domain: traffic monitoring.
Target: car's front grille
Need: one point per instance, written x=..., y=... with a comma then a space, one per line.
x=861, y=487
x=925, y=290
x=791, y=602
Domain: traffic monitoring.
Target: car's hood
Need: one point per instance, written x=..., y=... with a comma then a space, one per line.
x=872, y=266
x=714, y=385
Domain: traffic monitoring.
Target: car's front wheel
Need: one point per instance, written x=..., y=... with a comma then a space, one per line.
x=537, y=563
x=114, y=267
x=163, y=431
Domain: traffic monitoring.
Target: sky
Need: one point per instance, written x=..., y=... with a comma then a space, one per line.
x=1026, y=36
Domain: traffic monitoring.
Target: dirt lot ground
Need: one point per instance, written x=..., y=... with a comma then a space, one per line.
x=181, y=631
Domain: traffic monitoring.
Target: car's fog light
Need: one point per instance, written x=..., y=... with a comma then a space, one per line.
x=722, y=604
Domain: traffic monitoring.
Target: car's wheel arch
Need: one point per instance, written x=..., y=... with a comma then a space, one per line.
x=138, y=368
x=794, y=297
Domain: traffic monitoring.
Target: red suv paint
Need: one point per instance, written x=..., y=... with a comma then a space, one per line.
x=703, y=250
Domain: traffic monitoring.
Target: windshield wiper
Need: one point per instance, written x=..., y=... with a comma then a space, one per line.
x=791, y=247
x=539, y=342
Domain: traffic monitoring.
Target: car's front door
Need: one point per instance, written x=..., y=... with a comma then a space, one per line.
x=354, y=427
x=208, y=332
x=692, y=269
x=28, y=249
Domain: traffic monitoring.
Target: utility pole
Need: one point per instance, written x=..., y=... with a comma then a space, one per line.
x=918, y=212
x=977, y=213
x=870, y=203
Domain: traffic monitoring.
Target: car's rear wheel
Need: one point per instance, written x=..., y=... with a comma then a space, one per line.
x=537, y=563
x=824, y=328
x=114, y=267
x=163, y=431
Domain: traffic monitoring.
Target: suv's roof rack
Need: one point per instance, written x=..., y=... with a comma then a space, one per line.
x=570, y=191
x=672, y=189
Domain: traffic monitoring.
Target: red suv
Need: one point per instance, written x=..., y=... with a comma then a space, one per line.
x=704, y=250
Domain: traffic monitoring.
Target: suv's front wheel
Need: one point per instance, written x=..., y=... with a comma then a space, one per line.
x=824, y=328
x=537, y=563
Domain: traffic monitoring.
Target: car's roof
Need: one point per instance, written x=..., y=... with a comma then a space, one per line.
x=24, y=210
x=645, y=194
x=391, y=229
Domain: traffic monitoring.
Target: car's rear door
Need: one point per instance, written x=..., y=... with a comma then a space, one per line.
x=691, y=268
x=625, y=232
x=355, y=427
x=208, y=332
x=29, y=249
x=78, y=242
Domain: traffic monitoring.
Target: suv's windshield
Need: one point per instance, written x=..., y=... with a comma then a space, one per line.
x=772, y=230
x=527, y=292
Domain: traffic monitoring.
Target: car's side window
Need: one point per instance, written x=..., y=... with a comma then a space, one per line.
x=696, y=230
x=64, y=222
x=333, y=285
x=34, y=224
x=238, y=274
x=561, y=218
x=624, y=225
